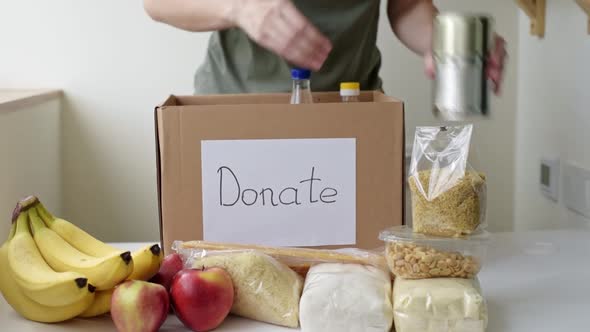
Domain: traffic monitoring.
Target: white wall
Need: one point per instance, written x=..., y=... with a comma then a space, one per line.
x=30, y=158
x=493, y=138
x=115, y=65
x=554, y=116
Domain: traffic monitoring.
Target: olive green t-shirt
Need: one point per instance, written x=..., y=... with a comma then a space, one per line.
x=236, y=64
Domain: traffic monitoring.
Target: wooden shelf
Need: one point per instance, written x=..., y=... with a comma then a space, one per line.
x=535, y=10
x=585, y=5
x=11, y=99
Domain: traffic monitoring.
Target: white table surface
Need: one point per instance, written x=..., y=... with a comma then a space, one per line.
x=532, y=281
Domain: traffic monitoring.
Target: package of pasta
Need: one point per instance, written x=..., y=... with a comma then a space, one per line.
x=298, y=259
x=448, y=195
x=265, y=289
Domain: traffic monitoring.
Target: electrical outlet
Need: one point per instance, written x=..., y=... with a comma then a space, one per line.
x=549, y=178
x=576, y=189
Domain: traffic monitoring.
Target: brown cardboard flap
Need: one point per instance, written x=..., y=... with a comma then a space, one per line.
x=182, y=122
x=170, y=101
x=278, y=98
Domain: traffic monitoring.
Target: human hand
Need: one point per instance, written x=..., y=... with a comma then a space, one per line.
x=278, y=26
x=494, y=64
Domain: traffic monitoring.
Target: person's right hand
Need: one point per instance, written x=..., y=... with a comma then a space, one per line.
x=278, y=26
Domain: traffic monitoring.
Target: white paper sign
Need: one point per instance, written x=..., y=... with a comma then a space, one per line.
x=282, y=192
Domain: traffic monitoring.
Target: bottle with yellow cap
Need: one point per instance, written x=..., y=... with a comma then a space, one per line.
x=350, y=91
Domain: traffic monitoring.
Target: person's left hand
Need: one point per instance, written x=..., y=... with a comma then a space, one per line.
x=494, y=64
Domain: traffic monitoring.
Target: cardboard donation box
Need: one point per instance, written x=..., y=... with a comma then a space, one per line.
x=253, y=169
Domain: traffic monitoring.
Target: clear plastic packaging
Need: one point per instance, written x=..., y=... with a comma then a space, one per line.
x=448, y=195
x=346, y=298
x=298, y=259
x=266, y=290
x=413, y=255
x=439, y=305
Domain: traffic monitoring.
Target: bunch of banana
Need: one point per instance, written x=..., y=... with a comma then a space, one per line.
x=56, y=271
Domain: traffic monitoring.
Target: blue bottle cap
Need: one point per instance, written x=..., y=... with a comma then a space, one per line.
x=300, y=74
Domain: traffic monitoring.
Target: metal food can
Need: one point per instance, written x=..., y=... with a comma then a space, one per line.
x=460, y=46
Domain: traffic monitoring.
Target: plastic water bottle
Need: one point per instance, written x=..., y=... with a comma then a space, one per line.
x=350, y=92
x=301, y=93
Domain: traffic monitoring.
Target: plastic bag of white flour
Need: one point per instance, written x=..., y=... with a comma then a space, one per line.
x=265, y=289
x=439, y=305
x=346, y=297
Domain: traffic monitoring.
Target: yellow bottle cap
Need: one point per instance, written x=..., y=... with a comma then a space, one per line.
x=349, y=86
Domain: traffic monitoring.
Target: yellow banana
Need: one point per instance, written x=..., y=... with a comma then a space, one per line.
x=32, y=310
x=75, y=236
x=146, y=262
x=101, y=304
x=102, y=272
x=36, y=279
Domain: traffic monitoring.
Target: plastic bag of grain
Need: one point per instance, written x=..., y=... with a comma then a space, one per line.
x=346, y=298
x=265, y=289
x=439, y=305
x=448, y=195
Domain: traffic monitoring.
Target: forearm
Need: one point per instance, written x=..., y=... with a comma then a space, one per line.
x=194, y=15
x=411, y=21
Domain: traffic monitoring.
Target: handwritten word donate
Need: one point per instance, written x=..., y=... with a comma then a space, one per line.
x=268, y=196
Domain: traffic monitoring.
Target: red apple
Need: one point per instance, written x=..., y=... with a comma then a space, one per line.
x=202, y=298
x=170, y=266
x=139, y=306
